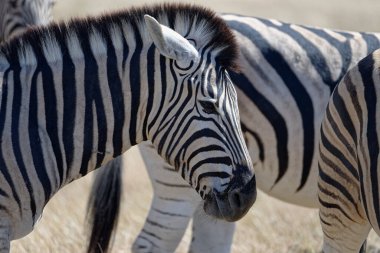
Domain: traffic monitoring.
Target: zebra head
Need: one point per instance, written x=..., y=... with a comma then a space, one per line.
x=18, y=15
x=204, y=141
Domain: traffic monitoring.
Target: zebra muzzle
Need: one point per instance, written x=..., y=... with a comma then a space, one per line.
x=233, y=204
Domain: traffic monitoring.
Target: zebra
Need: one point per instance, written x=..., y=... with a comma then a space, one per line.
x=18, y=15
x=288, y=73
x=348, y=185
x=76, y=95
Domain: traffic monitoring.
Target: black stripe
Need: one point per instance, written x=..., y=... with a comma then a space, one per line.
x=230, y=125
x=117, y=98
x=171, y=199
x=168, y=213
x=366, y=68
x=355, y=102
x=362, y=188
x=207, y=148
x=90, y=77
x=3, y=111
x=125, y=44
x=172, y=185
x=372, y=42
x=314, y=54
x=350, y=146
x=173, y=130
x=134, y=77
x=150, y=73
x=272, y=115
x=212, y=174
x=202, y=133
x=336, y=218
x=175, y=80
x=224, y=160
x=16, y=108
x=13, y=27
x=163, y=80
x=296, y=88
x=149, y=243
x=69, y=100
x=4, y=193
x=324, y=222
x=336, y=185
x=151, y=234
x=34, y=139
x=50, y=100
x=155, y=224
x=334, y=206
x=98, y=100
x=344, y=115
x=174, y=123
x=359, y=116
x=343, y=48
x=259, y=142
x=178, y=99
x=338, y=155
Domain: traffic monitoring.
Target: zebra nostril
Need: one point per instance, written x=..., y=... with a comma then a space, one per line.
x=236, y=199
x=242, y=198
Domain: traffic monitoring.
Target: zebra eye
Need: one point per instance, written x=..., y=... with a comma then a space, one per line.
x=208, y=107
x=13, y=3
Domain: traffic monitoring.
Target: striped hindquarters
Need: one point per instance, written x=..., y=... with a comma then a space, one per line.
x=349, y=148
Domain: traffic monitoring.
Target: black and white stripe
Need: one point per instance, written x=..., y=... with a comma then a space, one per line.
x=349, y=165
x=76, y=95
x=16, y=16
x=287, y=75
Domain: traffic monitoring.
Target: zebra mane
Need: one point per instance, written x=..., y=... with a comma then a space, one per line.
x=191, y=21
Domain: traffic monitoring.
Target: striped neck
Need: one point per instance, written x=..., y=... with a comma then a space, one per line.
x=87, y=90
x=87, y=99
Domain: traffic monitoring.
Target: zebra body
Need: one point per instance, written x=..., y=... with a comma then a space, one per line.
x=288, y=73
x=348, y=162
x=17, y=15
x=75, y=95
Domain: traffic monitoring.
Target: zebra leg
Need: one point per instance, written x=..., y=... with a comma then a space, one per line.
x=343, y=232
x=164, y=227
x=363, y=249
x=173, y=205
x=211, y=235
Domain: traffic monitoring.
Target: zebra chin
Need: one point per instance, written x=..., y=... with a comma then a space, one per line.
x=233, y=204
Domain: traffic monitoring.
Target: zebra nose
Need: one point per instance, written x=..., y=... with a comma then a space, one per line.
x=241, y=199
x=234, y=203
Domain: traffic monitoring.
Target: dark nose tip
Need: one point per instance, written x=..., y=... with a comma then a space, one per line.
x=241, y=199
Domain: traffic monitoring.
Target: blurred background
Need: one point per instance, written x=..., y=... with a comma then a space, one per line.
x=271, y=226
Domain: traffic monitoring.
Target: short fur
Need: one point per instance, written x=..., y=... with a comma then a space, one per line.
x=204, y=22
x=221, y=36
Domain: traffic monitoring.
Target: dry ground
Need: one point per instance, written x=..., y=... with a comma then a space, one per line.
x=271, y=226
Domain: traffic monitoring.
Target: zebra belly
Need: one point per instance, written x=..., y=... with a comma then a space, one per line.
x=306, y=197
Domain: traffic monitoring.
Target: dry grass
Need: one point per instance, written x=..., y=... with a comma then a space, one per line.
x=271, y=226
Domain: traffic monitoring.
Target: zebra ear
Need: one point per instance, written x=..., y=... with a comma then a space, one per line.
x=170, y=43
